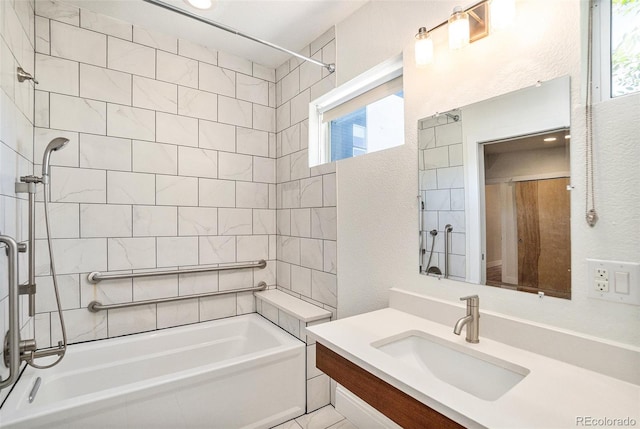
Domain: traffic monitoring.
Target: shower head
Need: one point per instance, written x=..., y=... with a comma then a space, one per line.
x=55, y=144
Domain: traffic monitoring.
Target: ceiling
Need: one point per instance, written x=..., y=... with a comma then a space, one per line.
x=292, y=24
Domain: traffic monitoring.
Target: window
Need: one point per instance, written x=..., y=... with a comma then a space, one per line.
x=618, y=25
x=364, y=115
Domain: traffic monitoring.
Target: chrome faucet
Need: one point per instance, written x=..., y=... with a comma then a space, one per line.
x=472, y=319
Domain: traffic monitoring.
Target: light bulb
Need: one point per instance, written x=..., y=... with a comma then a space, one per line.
x=423, y=47
x=200, y=4
x=458, y=29
x=503, y=13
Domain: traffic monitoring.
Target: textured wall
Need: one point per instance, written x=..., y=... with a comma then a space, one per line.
x=171, y=163
x=379, y=252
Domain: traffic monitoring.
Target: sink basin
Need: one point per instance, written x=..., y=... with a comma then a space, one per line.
x=481, y=375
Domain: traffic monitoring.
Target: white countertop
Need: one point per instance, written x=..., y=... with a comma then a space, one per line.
x=553, y=395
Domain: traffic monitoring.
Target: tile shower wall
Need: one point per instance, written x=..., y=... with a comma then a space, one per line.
x=16, y=144
x=306, y=216
x=171, y=163
x=441, y=176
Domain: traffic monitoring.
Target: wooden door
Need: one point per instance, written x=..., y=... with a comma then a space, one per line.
x=544, y=236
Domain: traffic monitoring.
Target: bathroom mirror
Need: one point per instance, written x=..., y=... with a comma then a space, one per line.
x=494, y=182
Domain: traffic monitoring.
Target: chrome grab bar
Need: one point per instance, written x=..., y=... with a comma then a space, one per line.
x=12, y=339
x=97, y=276
x=95, y=306
x=447, y=239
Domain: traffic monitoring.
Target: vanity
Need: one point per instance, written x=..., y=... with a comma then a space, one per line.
x=416, y=372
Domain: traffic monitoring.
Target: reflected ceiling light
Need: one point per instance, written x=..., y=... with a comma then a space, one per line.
x=200, y=4
x=503, y=13
x=550, y=139
x=458, y=28
x=568, y=136
x=424, y=47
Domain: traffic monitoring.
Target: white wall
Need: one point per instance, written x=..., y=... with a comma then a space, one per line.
x=377, y=211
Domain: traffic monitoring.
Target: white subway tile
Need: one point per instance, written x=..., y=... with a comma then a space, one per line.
x=59, y=11
x=77, y=44
x=290, y=85
x=149, y=221
x=245, y=303
x=149, y=157
x=301, y=222
x=79, y=255
x=174, y=251
x=234, y=221
x=263, y=72
x=310, y=73
x=252, y=247
x=300, y=165
x=197, y=52
x=77, y=114
x=264, y=221
x=436, y=157
x=105, y=24
x=190, y=284
x=323, y=223
x=329, y=189
x=176, y=69
x=112, y=292
x=131, y=253
x=304, y=134
x=318, y=394
x=291, y=140
x=289, y=249
x=457, y=199
x=197, y=221
x=77, y=185
x=57, y=75
x=130, y=122
x=311, y=192
x=264, y=118
x=324, y=288
x=67, y=157
x=105, y=220
x=230, y=61
x=109, y=153
x=176, y=191
x=234, y=166
x=283, y=274
x=311, y=253
x=69, y=290
x=300, y=107
x=283, y=117
x=64, y=220
x=82, y=325
x=235, y=112
x=426, y=138
x=217, y=307
x=229, y=280
x=282, y=71
x=216, y=79
x=155, y=95
x=40, y=117
x=301, y=280
x=283, y=169
x=130, y=188
x=217, y=193
x=264, y=169
x=155, y=39
x=252, y=142
x=217, y=249
x=289, y=323
x=330, y=257
x=155, y=287
x=131, y=57
x=283, y=222
x=106, y=85
x=125, y=321
x=42, y=328
x=438, y=200
x=452, y=177
x=449, y=134
x=455, y=155
x=180, y=130
x=197, y=162
x=217, y=136
x=197, y=104
x=290, y=194
x=252, y=195
x=177, y=313
x=251, y=89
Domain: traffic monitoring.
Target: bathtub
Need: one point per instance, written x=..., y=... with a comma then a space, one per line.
x=241, y=372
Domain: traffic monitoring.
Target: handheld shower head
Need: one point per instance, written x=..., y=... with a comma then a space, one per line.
x=55, y=144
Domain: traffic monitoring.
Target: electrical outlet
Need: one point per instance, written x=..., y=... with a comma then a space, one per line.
x=602, y=285
x=602, y=274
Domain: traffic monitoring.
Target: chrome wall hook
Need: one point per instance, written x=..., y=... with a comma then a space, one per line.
x=23, y=75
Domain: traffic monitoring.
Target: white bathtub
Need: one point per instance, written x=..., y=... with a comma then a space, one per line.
x=230, y=373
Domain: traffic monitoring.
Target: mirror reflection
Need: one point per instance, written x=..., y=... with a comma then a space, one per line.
x=494, y=191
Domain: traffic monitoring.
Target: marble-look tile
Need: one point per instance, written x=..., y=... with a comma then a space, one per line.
x=42, y=328
x=177, y=313
x=149, y=157
x=197, y=52
x=77, y=185
x=130, y=188
x=235, y=279
x=344, y=424
x=105, y=24
x=289, y=249
x=67, y=157
x=197, y=104
x=82, y=325
x=64, y=219
x=300, y=107
x=455, y=155
x=452, y=177
x=175, y=69
x=428, y=179
x=217, y=307
x=77, y=114
x=234, y=221
x=330, y=257
x=131, y=122
x=310, y=73
x=235, y=112
x=264, y=170
x=426, y=138
x=290, y=197
x=324, y=86
x=251, y=89
x=131, y=58
x=329, y=190
x=197, y=162
x=245, y=303
x=282, y=71
x=190, y=284
x=267, y=274
x=311, y=192
x=291, y=85
x=264, y=221
x=131, y=320
x=131, y=253
x=103, y=152
x=283, y=169
x=289, y=323
x=437, y=200
x=69, y=288
x=217, y=249
x=152, y=221
x=197, y=221
x=436, y=158
x=300, y=165
x=154, y=287
x=113, y=292
x=264, y=118
x=155, y=95
x=79, y=255
x=457, y=199
x=320, y=419
x=57, y=75
x=155, y=39
x=283, y=117
x=448, y=134
x=291, y=140
x=283, y=222
x=176, y=191
x=458, y=244
x=324, y=41
x=77, y=44
x=454, y=218
x=216, y=79
x=106, y=85
x=177, y=251
x=457, y=265
x=263, y=72
x=180, y=130
x=43, y=41
x=58, y=11
x=324, y=288
x=323, y=223
x=283, y=272
x=252, y=142
x=105, y=220
x=311, y=253
x=252, y=247
x=252, y=195
x=233, y=62
x=213, y=135
x=235, y=166
x=301, y=280
x=217, y=193
x=318, y=393
x=301, y=222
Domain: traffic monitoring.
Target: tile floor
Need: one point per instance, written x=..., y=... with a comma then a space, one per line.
x=324, y=418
